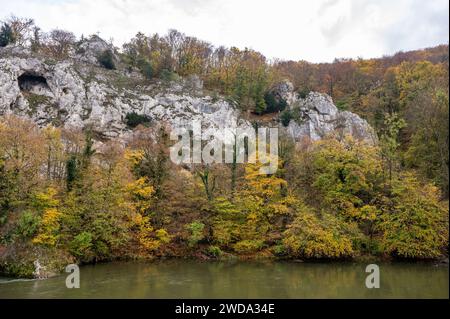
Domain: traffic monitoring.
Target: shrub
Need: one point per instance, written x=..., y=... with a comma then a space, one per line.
x=49, y=227
x=27, y=225
x=248, y=246
x=106, y=59
x=310, y=237
x=342, y=105
x=163, y=236
x=146, y=68
x=196, y=232
x=133, y=119
x=214, y=251
x=303, y=94
x=168, y=75
x=286, y=118
x=273, y=104
x=414, y=225
x=6, y=35
x=81, y=245
x=279, y=250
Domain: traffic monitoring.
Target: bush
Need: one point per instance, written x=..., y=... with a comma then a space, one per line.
x=146, y=68
x=106, y=59
x=214, y=251
x=81, y=245
x=27, y=225
x=342, y=105
x=414, y=225
x=303, y=94
x=310, y=237
x=273, y=104
x=163, y=236
x=279, y=250
x=168, y=75
x=6, y=35
x=133, y=119
x=286, y=118
x=196, y=232
x=248, y=246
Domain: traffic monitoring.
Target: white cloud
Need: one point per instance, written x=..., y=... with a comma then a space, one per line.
x=289, y=29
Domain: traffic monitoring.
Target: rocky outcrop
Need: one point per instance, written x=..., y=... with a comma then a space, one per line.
x=90, y=49
x=316, y=116
x=79, y=93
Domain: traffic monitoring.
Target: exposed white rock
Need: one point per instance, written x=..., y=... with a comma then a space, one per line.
x=316, y=116
x=72, y=93
x=90, y=49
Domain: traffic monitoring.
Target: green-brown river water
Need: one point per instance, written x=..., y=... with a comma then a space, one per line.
x=194, y=279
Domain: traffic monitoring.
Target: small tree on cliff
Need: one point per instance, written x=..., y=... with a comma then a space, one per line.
x=6, y=35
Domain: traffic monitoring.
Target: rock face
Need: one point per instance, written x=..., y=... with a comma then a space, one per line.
x=72, y=94
x=316, y=116
x=78, y=93
x=90, y=49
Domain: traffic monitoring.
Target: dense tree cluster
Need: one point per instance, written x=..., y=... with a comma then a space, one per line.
x=329, y=199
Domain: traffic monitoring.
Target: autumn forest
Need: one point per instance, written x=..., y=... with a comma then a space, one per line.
x=66, y=198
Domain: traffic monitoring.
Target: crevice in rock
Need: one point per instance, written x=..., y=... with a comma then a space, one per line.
x=33, y=83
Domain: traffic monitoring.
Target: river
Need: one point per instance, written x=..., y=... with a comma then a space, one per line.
x=237, y=279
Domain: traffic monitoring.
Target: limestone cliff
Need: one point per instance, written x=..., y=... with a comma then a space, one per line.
x=77, y=92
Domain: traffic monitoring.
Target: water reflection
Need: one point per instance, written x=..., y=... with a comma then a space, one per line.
x=193, y=279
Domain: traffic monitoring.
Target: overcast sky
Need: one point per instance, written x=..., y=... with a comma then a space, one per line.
x=316, y=31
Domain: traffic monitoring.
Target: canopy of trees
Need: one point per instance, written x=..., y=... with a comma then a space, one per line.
x=60, y=195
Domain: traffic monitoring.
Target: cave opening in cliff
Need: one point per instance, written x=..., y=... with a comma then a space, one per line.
x=33, y=83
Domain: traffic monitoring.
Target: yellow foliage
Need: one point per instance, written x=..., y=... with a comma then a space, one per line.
x=47, y=199
x=310, y=237
x=134, y=156
x=149, y=239
x=48, y=233
x=141, y=192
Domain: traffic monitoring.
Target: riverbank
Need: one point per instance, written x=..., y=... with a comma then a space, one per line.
x=39, y=263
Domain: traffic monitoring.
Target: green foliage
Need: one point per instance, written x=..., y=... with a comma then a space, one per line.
x=196, y=233
x=6, y=35
x=334, y=198
x=286, y=117
x=163, y=236
x=342, y=105
x=414, y=225
x=169, y=76
x=279, y=250
x=347, y=174
x=81, y=246
x=273, y=104
x=428, y=151
x=34, y=100
x=19, y=269
x=303, y=94
x=214, y=251
x=71, y=171
x=106, y=59
x=133, y=119
x=146, y=68
x=389, y=141
x=27, y=225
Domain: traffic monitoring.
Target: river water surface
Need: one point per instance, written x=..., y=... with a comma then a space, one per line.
x=195, y=279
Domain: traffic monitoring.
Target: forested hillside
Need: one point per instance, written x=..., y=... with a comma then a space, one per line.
x=63, y=199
